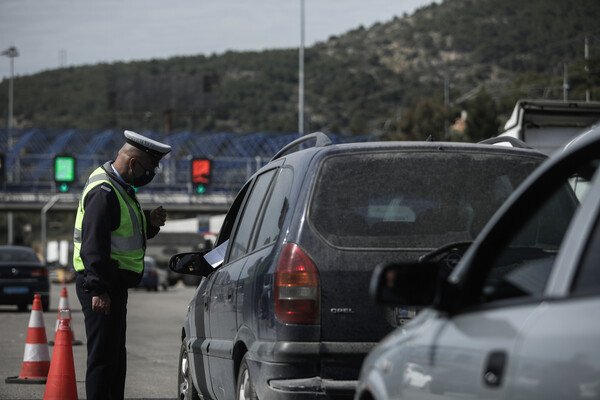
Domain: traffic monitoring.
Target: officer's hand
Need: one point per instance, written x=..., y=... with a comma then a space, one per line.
x=158, y=216
x=101, y=304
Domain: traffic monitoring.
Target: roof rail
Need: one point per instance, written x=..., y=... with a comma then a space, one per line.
x=322, y=141
x=509, y=139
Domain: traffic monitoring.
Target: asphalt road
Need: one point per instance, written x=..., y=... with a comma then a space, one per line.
x=153, y=339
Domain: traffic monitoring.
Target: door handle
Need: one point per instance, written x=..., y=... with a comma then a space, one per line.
x=494, y=368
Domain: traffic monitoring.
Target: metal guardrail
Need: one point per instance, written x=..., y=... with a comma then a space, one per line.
x=208, y=204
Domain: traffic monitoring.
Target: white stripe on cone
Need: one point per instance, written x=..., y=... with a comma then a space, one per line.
x=36, y=320
x=36, y=352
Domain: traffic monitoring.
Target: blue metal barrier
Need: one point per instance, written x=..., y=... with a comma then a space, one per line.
x=235, y=157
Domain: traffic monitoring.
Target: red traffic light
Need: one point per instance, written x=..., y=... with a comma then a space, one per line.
x=201, y=169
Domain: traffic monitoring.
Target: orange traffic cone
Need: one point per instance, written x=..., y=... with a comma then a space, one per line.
x=61, y=383
x=63, y=304
x=36, y=360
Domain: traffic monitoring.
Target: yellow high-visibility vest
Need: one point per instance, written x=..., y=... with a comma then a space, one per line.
x=128, y=241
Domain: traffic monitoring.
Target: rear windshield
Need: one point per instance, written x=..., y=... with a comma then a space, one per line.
x=417, y=200
x=18, y=255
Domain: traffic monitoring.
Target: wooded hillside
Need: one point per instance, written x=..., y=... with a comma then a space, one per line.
x=404, y=78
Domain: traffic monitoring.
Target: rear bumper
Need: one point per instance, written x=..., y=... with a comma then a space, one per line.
x=22, y=298
x=314, y=386
x=306, y=370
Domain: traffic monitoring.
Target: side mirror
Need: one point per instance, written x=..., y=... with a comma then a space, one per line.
x=413, y=284
x=191, y=264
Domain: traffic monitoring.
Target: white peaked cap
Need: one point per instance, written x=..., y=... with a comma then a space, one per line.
x=155, y=149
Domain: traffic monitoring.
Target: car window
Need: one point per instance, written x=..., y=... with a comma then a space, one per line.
x=418, y=200
x=521, y=267
x=276, y=209
x=241, y=241
x=231, y=217
x=587, y=280
x=21, y=255
x=580, y=186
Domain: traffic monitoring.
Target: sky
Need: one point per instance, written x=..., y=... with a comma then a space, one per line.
x=49, y=34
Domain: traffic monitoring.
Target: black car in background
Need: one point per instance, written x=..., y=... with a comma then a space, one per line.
x=21, y=276
x=286, y=313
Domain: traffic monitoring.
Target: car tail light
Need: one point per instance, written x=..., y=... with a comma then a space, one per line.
x=39, y=273
x=297, y=291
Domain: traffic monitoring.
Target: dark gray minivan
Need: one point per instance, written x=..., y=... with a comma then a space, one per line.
x=286, y=314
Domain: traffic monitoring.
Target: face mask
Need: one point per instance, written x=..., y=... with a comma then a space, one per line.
x=145, y=179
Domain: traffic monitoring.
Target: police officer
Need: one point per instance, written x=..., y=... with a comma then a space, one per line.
x=109, y=245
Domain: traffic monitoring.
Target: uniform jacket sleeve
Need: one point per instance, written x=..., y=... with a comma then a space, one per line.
x=102, y=215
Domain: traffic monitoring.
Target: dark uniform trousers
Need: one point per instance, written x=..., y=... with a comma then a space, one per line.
x=107, y=356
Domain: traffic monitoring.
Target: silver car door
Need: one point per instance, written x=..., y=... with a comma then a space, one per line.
x=558, y=356
x=476, y=350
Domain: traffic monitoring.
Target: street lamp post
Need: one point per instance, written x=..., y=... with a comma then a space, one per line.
x=11, y=53
x=301, y=73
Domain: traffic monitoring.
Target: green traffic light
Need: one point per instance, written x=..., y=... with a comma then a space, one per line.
x=64, y=169
x=200, y=189
x=63, y=187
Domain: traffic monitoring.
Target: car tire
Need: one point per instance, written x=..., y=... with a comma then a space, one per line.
x=185, y=383
x=244, y=386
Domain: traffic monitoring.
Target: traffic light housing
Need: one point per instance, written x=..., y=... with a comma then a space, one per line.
x=201, y=173
x=64, y=172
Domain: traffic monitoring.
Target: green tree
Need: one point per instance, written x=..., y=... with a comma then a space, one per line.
x=482, y=118
x=426, y=118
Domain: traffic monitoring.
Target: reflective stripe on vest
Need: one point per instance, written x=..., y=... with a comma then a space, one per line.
x=128, y=240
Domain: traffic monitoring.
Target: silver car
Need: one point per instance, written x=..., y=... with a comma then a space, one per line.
x=517, y=318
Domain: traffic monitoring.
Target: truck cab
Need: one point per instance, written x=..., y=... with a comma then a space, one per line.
x=548, y=125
